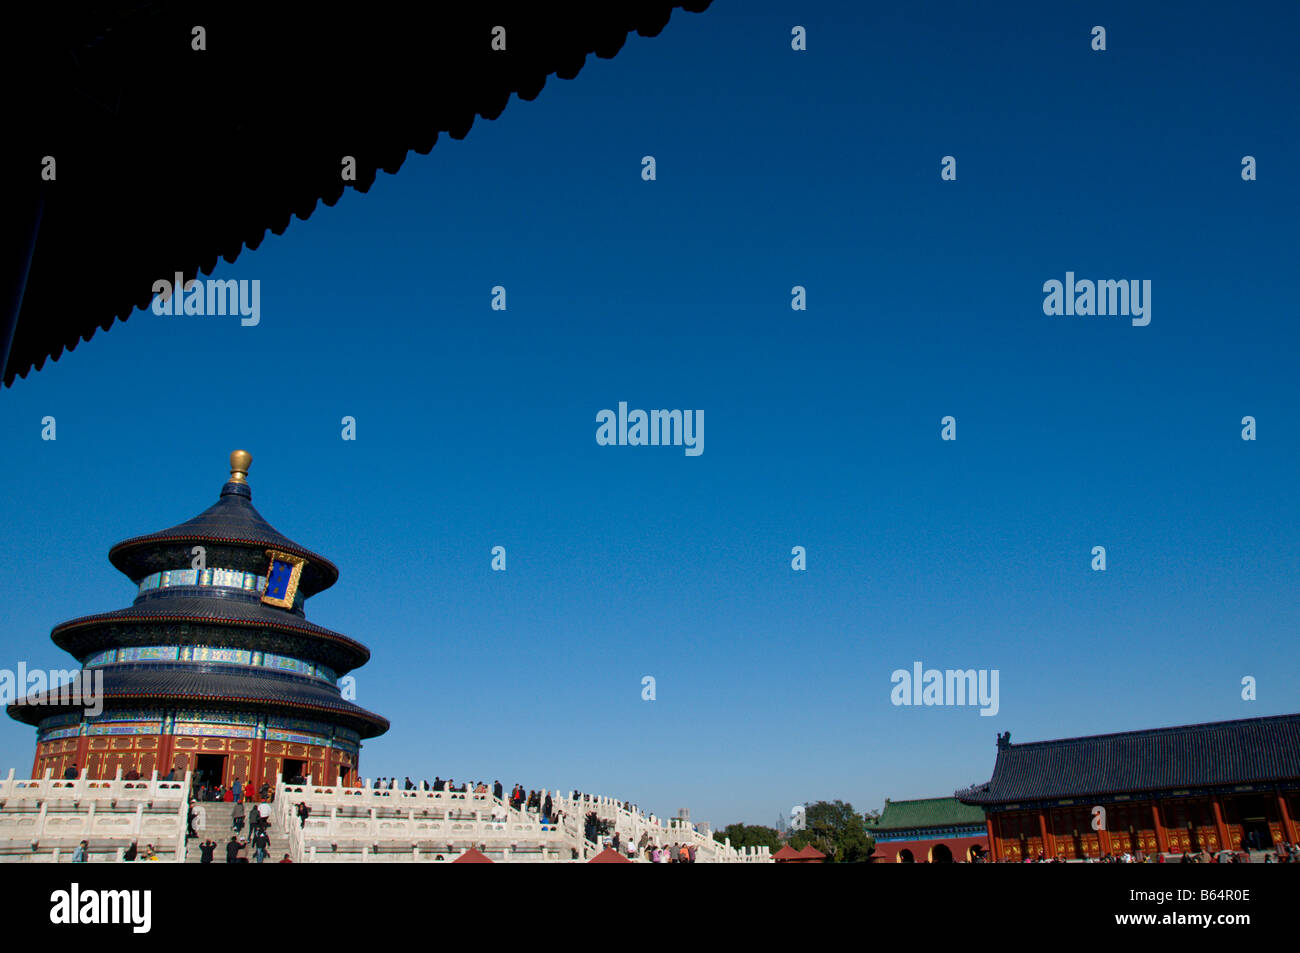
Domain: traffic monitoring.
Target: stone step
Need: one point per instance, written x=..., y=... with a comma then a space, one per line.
x=218, y=827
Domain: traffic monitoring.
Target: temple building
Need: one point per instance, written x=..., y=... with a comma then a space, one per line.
x=1231, y=785
x=214, y=667
x=932, y=830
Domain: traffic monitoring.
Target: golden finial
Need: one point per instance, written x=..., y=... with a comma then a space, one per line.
x=240, y=461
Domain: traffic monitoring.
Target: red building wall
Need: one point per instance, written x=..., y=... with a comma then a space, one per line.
x=888, y=851
x=245, y=758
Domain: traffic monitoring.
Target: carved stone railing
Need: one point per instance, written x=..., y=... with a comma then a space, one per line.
x=47, y=818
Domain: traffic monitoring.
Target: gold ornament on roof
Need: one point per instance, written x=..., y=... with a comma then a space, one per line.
x=240, y=461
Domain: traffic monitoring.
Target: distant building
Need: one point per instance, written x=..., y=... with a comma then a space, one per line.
x=931, y=830
x=1225, y=785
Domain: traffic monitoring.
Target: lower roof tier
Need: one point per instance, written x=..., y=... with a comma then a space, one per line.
x=196, y=685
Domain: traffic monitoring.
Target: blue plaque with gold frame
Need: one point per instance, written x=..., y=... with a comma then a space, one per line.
x=282, y=579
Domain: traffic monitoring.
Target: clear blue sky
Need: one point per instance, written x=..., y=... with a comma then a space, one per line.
x=477, y=428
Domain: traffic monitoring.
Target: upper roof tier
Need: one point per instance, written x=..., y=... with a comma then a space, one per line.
x=234, y=533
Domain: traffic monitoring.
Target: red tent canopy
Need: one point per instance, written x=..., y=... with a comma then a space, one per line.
x=609, y=856
x=473, y=856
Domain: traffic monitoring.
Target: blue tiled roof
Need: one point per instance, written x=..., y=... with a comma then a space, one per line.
x=88, y=633
x=196, y=683
x=232, y=519
x=1220, y=753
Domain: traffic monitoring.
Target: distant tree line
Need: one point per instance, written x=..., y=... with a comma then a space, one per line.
x=833, y=827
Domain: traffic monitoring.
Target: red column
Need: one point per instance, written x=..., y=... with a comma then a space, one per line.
x=163, y=762
x=1048, y=851
x=83, y=753
x=1288, y=826
x=257, y=765
x=1162, y=840
x=993, y=841
x=1224, y=842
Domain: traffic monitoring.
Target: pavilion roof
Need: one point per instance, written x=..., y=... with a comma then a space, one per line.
x=232, y=520
x=87, y=634
x=926, y=812
x=200, y=684
x=1238, y=752
x=168, y=158
x=473, y=856
x=786, y=853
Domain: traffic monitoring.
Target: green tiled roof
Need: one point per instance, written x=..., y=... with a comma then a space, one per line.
x=929, y=812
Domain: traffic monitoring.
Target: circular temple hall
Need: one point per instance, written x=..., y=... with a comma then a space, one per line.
x=214, y=668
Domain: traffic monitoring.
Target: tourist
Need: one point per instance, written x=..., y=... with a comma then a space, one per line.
x=497, y=790
x=130, y=852
x=237, y=789
x=189, y=821
x=132, y=775
x=286, y=860
x=264, y=792
x=304, y=811
x=261, y=845
x=206, y=850
x=237, y=817
x=264, y=814
x=150, y=853
x=233, y=847
x=79, y=855
x=71, y=773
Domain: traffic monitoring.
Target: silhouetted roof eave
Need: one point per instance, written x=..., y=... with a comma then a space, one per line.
x=236, y=139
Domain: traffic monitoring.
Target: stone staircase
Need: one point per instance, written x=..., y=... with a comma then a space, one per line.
x=218, y=828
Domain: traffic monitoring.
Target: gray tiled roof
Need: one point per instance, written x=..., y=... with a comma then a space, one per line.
x=231, y=519
x=103, y=629
x=1220, y=753
x=196, y=683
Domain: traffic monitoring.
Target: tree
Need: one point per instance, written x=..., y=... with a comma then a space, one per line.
x=838, y=831
x=750, y=835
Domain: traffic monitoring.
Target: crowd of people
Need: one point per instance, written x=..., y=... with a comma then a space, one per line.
x=233, y=793
x=255, y=810
x=1285, y=853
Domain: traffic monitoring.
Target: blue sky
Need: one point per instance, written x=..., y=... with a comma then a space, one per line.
x=477, y=428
